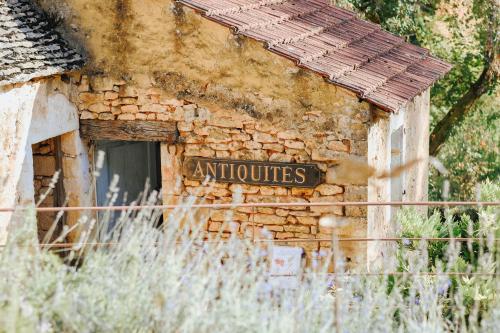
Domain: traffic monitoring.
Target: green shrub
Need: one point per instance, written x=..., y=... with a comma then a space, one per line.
x=476, y=294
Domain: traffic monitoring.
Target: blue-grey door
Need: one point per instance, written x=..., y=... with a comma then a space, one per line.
x=135, y=163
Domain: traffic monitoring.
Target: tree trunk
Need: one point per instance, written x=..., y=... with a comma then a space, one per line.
x=457, y=113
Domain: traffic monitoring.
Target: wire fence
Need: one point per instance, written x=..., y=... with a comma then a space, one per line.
x=405, y=274
x=292, y=240
x=256, y=205
x=79, y=245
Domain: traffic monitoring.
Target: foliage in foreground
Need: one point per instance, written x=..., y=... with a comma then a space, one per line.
x=170, y=281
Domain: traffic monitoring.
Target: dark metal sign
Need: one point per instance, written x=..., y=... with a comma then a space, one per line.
x=253, y=172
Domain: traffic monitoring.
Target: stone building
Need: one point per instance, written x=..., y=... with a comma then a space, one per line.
x=163, y=86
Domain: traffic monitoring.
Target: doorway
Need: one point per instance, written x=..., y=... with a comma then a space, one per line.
x=48, y=191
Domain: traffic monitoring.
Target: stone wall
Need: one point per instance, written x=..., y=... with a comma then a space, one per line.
x=44, y=168
x=30, y=113
x=230, y=98
x=207, y=130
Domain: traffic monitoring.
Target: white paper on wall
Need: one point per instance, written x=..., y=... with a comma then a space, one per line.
x=286, y=264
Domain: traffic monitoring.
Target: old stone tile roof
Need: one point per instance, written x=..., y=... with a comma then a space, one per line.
x=29, y=48
x=358, y=55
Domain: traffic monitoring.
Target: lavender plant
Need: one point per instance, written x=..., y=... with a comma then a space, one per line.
x=168, y=279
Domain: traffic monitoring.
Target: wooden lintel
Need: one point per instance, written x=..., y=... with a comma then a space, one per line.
x=133, y=130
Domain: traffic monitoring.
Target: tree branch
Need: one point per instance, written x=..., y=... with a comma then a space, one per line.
x=457, y=113
x=463, y=106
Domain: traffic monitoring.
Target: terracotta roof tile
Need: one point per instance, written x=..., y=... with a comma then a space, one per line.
x=356, y=54
x=28, y=47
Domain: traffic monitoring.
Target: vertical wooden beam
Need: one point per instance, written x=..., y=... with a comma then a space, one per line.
x=59, y=193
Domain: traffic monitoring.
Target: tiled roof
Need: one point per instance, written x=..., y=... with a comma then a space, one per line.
x=29, y=48
x=358, y=55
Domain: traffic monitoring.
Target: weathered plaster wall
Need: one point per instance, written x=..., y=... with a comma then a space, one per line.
x=416, y=146
x=411, y=185
x=31, y=113
x=199, y=60
x=379, y=190
x=55, y=114
x=16, y=105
